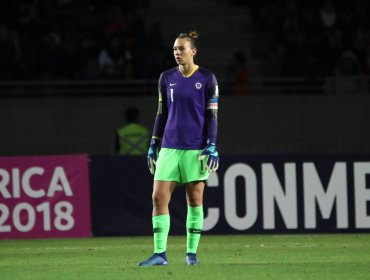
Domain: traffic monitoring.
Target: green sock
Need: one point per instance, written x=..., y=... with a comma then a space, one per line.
x=161, y=227
x=194, y=225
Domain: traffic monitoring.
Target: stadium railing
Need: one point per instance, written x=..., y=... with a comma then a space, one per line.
x=269, y=85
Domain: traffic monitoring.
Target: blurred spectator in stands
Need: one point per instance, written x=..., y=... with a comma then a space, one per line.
x=348, y=77
x=60, y=39
x=123, y=19
x=328, y=15
x=267, y=16
x=238, y=73
x=331, y=37
x=25, y=63
x=51, y=60
x=89, y=51
x=116, y=18
x=293, y=41
x=65, y=39
x=329, y=49
x=115, y=60
x=71, y=57
x=348, y=64
x=132, y=138
x=295, y=53
x=156, y=55
x=310, y=27
x=136, y=30
x=88, y=42
x=291, y=16
x=29, y=12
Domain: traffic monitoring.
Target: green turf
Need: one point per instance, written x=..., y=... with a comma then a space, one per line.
x=340, y=256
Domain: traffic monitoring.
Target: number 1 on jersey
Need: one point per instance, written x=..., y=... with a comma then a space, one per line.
x=171, y=93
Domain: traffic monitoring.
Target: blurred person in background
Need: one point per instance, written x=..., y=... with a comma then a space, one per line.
x=115, y=60
x=238, y=73
x=51, y=61
x=348, y=77
x=132, y=138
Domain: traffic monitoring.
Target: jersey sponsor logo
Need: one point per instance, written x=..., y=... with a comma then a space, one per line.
x=198, y=85
x=171, y=85
x=212, y=104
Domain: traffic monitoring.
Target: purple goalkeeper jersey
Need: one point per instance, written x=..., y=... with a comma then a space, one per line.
x=187, y=111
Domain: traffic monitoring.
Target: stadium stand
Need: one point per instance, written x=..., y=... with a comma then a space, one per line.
x=316, y=52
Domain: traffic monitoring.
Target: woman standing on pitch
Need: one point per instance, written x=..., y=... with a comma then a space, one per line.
x=185, y=131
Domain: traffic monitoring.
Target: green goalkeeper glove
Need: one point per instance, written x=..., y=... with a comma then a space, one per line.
x=213, y=158
x=153, y=154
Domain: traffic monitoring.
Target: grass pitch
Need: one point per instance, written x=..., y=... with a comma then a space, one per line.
x=339, y=256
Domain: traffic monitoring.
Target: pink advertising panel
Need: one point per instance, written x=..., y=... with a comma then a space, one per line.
x=44, y=197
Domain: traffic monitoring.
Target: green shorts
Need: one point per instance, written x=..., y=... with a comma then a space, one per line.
x=181, y=166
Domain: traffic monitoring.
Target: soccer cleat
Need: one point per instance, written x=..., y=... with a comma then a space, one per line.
x=191, y=259
x=156, y=259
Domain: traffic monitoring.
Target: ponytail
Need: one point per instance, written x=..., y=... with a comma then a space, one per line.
x=192, y=36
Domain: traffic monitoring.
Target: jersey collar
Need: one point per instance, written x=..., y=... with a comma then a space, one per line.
x=191, y=73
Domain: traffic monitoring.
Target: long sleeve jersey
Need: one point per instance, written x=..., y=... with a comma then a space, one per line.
x=187, y=109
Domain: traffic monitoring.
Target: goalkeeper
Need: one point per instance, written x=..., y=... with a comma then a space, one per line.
x=183, y=146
